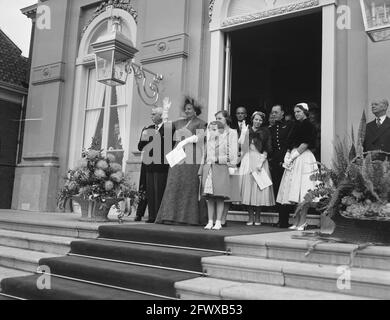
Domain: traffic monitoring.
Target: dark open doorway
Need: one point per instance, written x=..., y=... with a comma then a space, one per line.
x=277, y=63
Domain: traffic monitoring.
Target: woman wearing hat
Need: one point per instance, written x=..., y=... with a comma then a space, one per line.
x=299, y=162
x=255, y=147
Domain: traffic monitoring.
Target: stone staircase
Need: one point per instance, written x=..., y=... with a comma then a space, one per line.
x=277, y=266
x=27, y=237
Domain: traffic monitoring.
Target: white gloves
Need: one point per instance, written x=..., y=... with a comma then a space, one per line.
x=244, y=131
x=294, y=154
x=261, y=162
x=192, y=139
x=244, y=128
x=166, y=106
x=289, y=159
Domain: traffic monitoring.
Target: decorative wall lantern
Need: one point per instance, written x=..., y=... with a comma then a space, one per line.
x=114, y=54
x=376, y=17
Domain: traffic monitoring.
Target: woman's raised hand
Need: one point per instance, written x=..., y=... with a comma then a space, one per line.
x=166, y=106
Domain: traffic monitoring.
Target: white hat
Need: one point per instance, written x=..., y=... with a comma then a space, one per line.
x=303, y=105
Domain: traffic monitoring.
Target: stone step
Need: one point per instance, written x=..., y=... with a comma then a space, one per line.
x=217, y=289
x=363, y=282
x=6, y=273
x=21, y=259
x=282, y=246
x=46, y=224
x=35, y=241
x=11, y=273
x=269, y=218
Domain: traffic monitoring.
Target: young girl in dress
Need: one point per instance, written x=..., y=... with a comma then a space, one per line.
x=299, y=163
x=214, y=172
x=255, y=146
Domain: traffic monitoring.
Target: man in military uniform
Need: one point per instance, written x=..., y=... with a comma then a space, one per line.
x=280, y=133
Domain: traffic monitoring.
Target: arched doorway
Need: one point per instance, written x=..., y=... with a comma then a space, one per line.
x=235, y=17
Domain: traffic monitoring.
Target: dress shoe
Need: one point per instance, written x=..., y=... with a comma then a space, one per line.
x=209, y=225
x=138, y=218
x=149, y=221
x=302, y=227
x=217, y=226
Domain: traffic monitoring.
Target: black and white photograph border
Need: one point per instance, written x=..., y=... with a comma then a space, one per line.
x=176, y=151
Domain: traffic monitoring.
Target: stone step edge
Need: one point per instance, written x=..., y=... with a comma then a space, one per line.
x=50, y=229
x=24, y=254
x=305, y=245
x=6, y=273
x=309, y=270
x=213, y=288
x=36, y=237
x=62, y=225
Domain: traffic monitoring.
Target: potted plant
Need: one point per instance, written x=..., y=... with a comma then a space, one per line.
x=355, y=194
x=97, y=183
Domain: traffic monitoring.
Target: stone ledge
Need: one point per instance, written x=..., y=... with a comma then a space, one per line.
x=176, y=46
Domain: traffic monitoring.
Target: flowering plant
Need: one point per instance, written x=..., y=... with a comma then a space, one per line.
x=357, y=186
x=99, y=178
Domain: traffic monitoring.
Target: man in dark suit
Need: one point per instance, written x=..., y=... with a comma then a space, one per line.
x=378, y=131
x=280, y=133
x=241, y=115
x=154, y=144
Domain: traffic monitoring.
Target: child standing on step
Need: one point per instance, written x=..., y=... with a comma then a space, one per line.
x=214, y=172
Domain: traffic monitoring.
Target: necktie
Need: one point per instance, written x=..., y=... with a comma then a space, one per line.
x=378, y=122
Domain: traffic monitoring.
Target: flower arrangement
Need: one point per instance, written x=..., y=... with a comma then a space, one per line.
x=369, y=190
x=99, y=178
x=357, y=186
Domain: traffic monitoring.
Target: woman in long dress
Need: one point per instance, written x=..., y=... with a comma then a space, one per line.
x=299, y=163
x=255, y=146
x=180, y=203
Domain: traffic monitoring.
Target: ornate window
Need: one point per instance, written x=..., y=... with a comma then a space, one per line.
x=105, y=117
x=101, y=112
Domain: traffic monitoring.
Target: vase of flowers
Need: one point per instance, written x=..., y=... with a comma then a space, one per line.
x=355, y=193
x=97, y=184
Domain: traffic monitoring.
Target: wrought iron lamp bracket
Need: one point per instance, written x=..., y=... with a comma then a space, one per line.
x=147, y=82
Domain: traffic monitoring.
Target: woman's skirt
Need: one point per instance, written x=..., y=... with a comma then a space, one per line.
x=250, y=191
x=180, y=201
x=215, y=181
x=296, y=182
x=235, y=191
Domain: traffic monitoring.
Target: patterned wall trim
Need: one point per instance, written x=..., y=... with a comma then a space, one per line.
x=48, y=73
x=211, y=8
x=231, y=21
x=172, y=47
x=118, y=4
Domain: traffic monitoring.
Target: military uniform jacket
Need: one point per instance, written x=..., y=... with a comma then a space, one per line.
x=280, y=136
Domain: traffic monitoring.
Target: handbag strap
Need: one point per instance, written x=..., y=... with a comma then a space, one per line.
x=227, y=145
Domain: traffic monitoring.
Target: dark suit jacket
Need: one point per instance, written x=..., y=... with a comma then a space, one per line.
x=156, y=148
x=377, y=138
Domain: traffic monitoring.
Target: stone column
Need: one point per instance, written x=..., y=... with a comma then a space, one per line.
x=36, y=177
